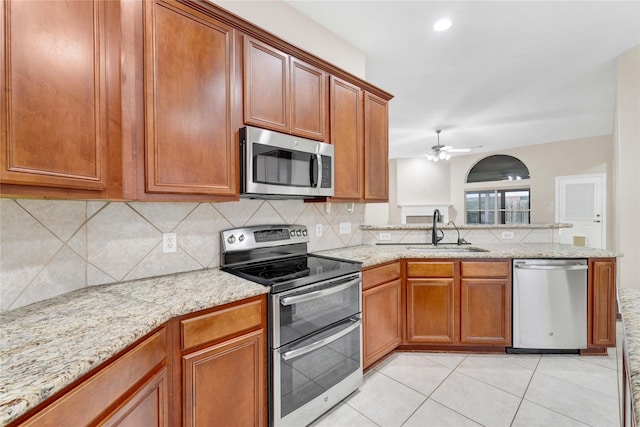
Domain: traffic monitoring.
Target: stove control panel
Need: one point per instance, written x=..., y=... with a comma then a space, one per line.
x=262, y=236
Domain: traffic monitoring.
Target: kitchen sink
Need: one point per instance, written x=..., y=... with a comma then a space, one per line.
x=436, y=249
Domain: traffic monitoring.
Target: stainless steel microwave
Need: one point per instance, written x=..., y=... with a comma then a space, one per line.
x=274, y=164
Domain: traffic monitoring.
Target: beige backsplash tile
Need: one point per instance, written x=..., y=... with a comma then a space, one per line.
x=118, y=239
x=111, y=241
x=61, y=217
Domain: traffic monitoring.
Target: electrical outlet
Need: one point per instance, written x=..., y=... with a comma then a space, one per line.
x=507, y=234
x=345, y=228
x=385, y=236
x=169, y=242
x=318, y=230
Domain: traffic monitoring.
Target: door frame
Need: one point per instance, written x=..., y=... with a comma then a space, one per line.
x=603, y=214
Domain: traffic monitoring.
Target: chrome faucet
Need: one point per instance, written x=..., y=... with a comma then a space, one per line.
x=437, y=217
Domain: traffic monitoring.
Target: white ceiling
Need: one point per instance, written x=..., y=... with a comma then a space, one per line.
x=507, y=73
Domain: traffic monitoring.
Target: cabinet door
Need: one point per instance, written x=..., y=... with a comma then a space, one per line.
x=189, y=144
x=431, y=311
x=485, y=312
x=601, y=310
x=376, y=148
x=308, y=101
x=147, y=407
x=347, y=139
x=266, y=89
x=225, y=384
x=382, y=320
x=55, y=71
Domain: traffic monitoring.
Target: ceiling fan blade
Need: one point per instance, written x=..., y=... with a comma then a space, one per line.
x=459, y=150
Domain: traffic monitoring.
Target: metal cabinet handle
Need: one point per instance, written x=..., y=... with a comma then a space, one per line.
x=323, y=342
x=317, y=294
x=552, y=267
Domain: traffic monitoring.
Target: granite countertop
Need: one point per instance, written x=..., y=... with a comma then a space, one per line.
x=428, y=226
x=46, y=346
x=370, y=255
x=629, y=302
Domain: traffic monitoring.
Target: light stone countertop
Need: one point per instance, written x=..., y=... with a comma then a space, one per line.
x=428, y=226
x=46, y=346
x=370, y=255
x=629, y=302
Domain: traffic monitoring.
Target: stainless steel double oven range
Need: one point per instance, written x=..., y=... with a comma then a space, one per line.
x=315, y=326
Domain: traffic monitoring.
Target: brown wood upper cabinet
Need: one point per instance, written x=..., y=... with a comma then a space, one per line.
x=189, y=79
x=283, y=93
x=60, y=109
x=359, y=123
x=376, y=148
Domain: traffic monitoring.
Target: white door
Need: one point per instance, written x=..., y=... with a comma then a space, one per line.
x=581, y=201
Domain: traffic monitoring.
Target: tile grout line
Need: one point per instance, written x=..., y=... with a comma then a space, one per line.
x=515, y=415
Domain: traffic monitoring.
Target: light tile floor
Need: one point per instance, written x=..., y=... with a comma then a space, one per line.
x=447, y=389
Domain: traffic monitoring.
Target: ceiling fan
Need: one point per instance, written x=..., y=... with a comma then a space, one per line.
x=441, y=152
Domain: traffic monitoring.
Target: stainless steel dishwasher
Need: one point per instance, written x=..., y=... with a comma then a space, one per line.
x=549, y=305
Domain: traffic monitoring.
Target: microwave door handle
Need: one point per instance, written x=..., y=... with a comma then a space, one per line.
x=313, y=170
x=326, y=341
x=317, y=294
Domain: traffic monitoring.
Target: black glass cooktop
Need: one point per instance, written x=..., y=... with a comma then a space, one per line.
x=288, y=273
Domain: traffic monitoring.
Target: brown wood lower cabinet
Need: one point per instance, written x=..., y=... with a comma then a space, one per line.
x=223, y=384
x=456, y=302
x=431, y=310
x=203, y=369
x=222, y=366
x=382, y=312
x=485, y=311
x=601, y=304
x=98, y=399
x=146, y=407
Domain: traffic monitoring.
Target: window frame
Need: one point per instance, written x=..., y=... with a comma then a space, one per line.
x=499, y=197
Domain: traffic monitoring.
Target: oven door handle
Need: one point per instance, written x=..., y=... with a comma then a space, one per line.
x=317, y=294
x=292, y=354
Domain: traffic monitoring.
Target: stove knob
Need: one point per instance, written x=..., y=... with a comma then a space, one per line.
x=304, y=232
x=293, y=233
x=298, y=233
x=231, y=239
x=241, y=238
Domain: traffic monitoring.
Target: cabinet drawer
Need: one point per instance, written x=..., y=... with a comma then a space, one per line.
x=83, y=404
x=430, y=269
x=378, y=275
x=485, y=268
x=219, y=324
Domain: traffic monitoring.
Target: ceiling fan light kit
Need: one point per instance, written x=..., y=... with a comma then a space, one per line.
x=438, y=152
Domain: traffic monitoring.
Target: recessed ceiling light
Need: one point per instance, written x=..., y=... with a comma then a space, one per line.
x=442, y=25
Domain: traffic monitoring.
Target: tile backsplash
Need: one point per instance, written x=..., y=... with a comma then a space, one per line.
x=50, y=247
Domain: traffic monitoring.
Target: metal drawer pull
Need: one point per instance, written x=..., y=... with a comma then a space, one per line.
x=323, y=342
x=317, y=294
x=552, y=267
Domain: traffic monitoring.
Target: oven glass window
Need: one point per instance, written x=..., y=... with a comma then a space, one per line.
x=311, y=308
x=281, y=167
x=307, y=376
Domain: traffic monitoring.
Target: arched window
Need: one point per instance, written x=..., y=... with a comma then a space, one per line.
x=499, y=167
x=501, y=202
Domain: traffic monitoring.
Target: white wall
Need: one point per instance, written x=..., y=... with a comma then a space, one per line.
x=286, y=22
x=421, y=182
x=627, y=160
x=545, y=162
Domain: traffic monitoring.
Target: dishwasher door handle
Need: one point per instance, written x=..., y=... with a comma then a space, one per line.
x=551, y=267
